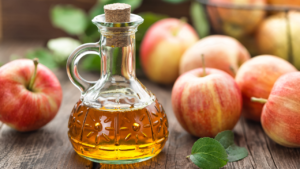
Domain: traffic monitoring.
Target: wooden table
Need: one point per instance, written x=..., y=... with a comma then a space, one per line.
x=49, y=147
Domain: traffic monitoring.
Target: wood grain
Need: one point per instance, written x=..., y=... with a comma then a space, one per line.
x=49, y=147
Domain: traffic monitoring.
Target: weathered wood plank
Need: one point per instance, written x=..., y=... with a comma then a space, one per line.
x=257, y=146
x=283, y=157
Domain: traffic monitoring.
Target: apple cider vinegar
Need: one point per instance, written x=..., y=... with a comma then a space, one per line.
x=119, y=134
x=117, y=119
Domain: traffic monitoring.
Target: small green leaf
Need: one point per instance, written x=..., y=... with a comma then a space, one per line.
x=91, y=34
x=226, y=138
x=91, y=63
x=149, y=20
x=175, y=1
x=72, y=20
x=208, y=153
x=62, y=48
x=235, y=153
x=199, y=19
x=44, y=56
x=97, y=10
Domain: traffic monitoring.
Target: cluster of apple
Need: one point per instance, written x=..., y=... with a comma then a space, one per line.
x=30, y=95
x=207, y=101
x=262, y=32
x=219, y=80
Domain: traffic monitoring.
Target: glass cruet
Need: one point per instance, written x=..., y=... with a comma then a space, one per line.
x=116, y=120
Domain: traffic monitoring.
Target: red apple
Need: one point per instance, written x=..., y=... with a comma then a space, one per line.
x=256, y=78
x=162, y=48
x=281, y=41
x=284, y=2
x=221, y=52
x=235, y=22
x=206, y=103
x=28, y=100
x=281, y=114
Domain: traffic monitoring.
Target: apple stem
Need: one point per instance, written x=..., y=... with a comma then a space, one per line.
x=183, y=20
x=32, y=80
x=232, y=70
x=259, y=100
x=203, y=65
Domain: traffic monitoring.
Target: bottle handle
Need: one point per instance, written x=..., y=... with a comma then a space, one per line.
x=72, y=65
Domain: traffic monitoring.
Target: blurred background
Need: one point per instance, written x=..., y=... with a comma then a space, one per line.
x=54, y=28
x=47, y=21
x=31, y=19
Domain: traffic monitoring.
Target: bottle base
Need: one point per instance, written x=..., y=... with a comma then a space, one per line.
x=129, y=161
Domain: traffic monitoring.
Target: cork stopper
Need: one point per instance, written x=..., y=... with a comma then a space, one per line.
x=117, y=12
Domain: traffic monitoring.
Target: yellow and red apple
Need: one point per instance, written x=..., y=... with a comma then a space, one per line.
x=30, y=95
x=206, y=103
x=282, y=41
x=221, y=52
x=235, y=22
x=256, y=78
x=281, y=114
x=162, y=48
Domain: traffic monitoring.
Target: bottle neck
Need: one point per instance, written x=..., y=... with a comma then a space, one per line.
x=118, y=55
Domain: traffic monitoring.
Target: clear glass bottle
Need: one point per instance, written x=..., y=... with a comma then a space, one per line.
x=117, y=120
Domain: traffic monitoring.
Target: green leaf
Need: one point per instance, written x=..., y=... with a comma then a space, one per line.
x=97, y=10
x=62, y=48
x=199, y=19
x=71, y=19
x=235, y=153
x=149, y=20
x=91, y=34
x=226, y=138
x=91, y=63
x=44, y=56
x=175, y=1
x=208, y=153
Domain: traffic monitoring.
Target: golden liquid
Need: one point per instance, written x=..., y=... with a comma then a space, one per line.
x=118, y=135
